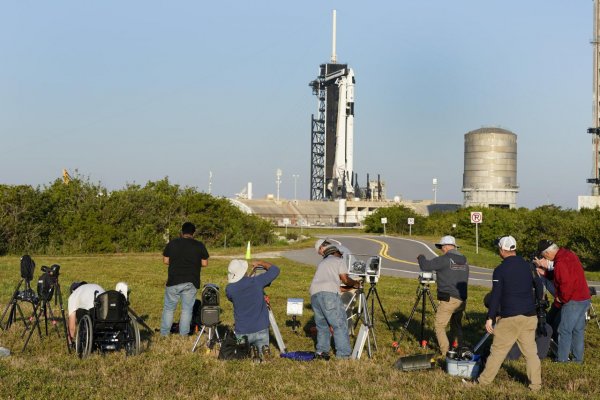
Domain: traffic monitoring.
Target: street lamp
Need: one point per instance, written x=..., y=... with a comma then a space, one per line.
x=434, y=190
x=295, y=176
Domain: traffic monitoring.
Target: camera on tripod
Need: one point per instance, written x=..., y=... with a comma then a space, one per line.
x=364, y=265
x=210, y=310
x=53, y=270
x=426, y=278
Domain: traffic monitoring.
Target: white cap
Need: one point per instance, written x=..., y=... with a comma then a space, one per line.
x=507, y=243
x=236, y=270
x=123, y=288
x=446, y=240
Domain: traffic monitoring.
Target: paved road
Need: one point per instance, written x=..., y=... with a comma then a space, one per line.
x=399, y=256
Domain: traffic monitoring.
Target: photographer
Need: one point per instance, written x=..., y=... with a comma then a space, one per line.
x=571, y=297
x=512, y=299
x=184, y=256
x=249, y=307
x=81, y=298
x=326, y=302
x=452, y=279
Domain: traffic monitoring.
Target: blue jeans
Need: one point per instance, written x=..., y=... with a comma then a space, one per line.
x=187, y=293
x=329, y=311
x=258, y=339
x=571, y=330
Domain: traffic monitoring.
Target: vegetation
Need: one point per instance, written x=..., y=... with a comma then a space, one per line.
x=168, y=369
x=82, y=217
x=577, y=230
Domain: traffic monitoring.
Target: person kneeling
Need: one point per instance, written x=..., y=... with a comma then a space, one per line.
x=250, y=312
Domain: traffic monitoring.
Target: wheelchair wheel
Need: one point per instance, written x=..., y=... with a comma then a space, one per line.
x=84, y=337
x=132, y=347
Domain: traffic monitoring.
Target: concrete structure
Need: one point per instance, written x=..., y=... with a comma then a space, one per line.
x=304, y=213
x=490, y=173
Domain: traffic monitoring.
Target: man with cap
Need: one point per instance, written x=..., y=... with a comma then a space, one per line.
x=513, y=300
x=571, y=297
x=82, y=297
x=452, y=280
x=250, y=312
x=184, y=256
x=326, y=301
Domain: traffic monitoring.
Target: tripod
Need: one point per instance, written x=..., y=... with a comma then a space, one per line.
x=45, y=309
x=373, y=290
x=366, y=333
x=423, y=291
x=212, y=339
x=27, y=295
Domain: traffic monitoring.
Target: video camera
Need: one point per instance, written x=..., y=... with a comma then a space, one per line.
x=426, y=278
x=364, y=265
x=210, y=310
x=53, y=270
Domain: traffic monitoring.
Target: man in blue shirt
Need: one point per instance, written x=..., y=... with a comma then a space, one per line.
x=250, y=311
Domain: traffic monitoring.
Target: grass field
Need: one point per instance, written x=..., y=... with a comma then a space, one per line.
x=168, y=369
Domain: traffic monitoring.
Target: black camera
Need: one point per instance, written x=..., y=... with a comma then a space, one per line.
x=210, y=310
x=27, y=295
x=53, y=270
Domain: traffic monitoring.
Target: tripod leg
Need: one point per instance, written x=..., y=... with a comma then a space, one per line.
x=10, y=303
x=383, y=311
x=276, y=332
x=139, y=320
x=62, y=312
x=198, y=338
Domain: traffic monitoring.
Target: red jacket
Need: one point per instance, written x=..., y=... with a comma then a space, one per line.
x=569, y=279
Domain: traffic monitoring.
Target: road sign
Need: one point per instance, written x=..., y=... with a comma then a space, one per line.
x=384, y=220
x=411, y=221
x=476, y=217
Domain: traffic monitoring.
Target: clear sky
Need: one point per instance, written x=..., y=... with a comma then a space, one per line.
x=131, y=91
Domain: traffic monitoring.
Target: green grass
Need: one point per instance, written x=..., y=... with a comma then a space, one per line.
x=168, y=369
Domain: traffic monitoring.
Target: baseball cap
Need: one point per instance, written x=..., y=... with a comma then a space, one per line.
x=543, y=245
x=236, y=270
x=446, y=240
x=507, y=243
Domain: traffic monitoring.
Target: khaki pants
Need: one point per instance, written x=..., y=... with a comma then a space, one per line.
x=520, y=329
x=448, y=311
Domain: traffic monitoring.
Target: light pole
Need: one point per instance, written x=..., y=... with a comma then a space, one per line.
x=434, y=190
x=278, y=174
x=295, y=176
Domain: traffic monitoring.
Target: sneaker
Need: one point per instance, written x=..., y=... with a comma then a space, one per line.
x=255, y=354
x=266, y=352
x=470, y=382
x=322, y=356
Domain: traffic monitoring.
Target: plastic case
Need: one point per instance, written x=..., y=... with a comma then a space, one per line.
x=464, y=368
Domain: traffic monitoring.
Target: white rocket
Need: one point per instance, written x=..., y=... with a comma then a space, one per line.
x=343, y=165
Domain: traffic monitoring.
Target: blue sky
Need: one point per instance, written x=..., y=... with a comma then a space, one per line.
x=131, y=91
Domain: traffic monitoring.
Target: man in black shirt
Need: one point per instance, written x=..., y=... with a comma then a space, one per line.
x=512, y=294
x=184, y=257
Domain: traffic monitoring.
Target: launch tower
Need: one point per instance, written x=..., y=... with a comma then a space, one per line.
x=332, y=131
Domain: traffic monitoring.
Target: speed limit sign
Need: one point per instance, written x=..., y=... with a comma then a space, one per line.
x=476, y=217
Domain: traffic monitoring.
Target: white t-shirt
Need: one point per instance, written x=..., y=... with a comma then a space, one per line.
x=83, y=297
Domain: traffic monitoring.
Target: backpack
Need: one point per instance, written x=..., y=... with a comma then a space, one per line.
x=232, y=348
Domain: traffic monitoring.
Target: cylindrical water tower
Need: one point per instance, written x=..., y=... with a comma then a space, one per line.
x=490, y=174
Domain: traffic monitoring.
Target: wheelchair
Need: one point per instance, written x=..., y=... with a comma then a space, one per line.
x=108, y=326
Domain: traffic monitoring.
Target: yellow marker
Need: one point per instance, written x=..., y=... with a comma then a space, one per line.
x=248, y=257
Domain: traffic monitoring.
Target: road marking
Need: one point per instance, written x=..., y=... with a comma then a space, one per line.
x=384, y=249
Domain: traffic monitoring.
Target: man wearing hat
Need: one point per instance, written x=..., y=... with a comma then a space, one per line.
x=571, y=296
x=250, y=312
x=452, y=280
x=513, y=301
x=326, y=302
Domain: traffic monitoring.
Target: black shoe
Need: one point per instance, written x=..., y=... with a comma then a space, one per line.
x=322, y=356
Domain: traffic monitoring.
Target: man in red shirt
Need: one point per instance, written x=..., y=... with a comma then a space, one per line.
x=571, y=295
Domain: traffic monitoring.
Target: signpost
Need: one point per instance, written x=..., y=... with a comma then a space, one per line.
x=384, y=221
x=476, y=218
x=411, y=222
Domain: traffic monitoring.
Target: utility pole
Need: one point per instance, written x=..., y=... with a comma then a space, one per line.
x=278, y=174
x=295, y=176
